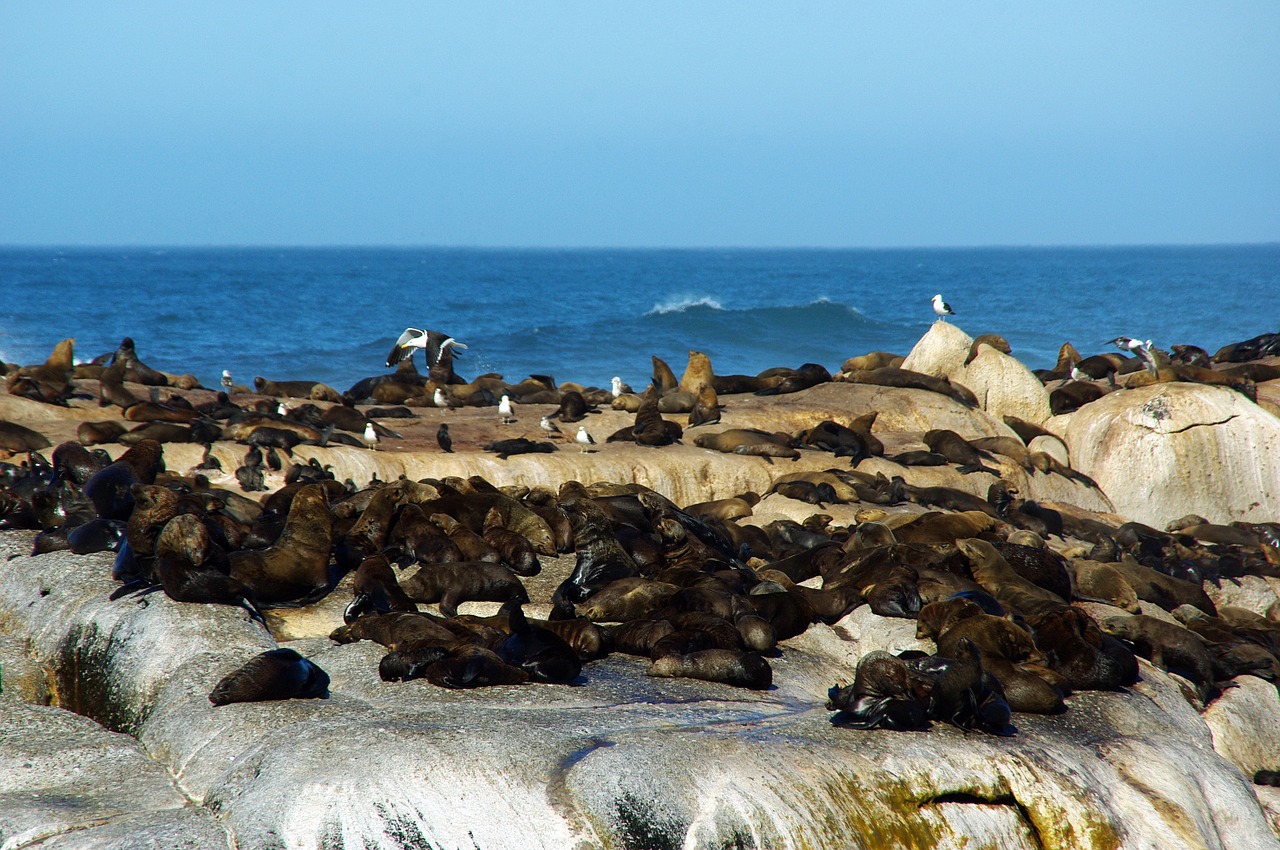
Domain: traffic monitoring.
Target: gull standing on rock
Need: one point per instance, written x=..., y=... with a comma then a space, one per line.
x=433, y=343
x=226, y=380
x=583, y=438
x=942, y=308
x=549, y=426
x=370, y=436
x=504, y=410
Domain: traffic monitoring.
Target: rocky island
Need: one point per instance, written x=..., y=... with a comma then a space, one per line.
x=938, y=601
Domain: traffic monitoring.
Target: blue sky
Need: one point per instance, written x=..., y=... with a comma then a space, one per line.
x=629, y=124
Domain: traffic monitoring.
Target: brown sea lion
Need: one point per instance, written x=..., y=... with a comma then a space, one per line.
x=888, y=376
x=706, y=408
x=996, y=341
x=396, y=629
x=993, y=572
x=96, y=433
x=727, y=666
x=464, y=581
x=18, y=438
x=748, y=441
x=872, y=360
x=297, y=564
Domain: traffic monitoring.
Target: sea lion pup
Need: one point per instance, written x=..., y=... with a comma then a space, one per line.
x=883, y=696
x=573, y=407
x=538, y=651
x=957, y=450
x=934, y=527
x=18, y=438
x=514, y=549
x=48, y=382
x=1095, y=581
x=1016, y=593
x=1163, y=590
x=472, y=546
x=376, y=591
x=419, y=539
x=748, y=441
x=1069, y=398
x=110, y=488
x=706, y=407
x=96, y=433
x=871, y=360
x=397, y=629
x=1169, y=646
x=297, y=564
x=727, y=666
x=734, y=507
x=274, y=675
x=996, y=341
x=463, y=581
x=967, y=696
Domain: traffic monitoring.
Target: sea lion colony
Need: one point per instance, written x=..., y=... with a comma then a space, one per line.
x=689, y=587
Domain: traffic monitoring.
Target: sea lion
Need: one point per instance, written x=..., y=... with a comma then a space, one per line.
x=1095, y=581
x=663, y=378
x=706, y=407
x=573, y=407
x=730, y=667
x=274, y=675
x=871, y=360
x=376, y=590
x=967, y=696
x=96, y=433
x=996, y=341
x=748, y=441
x=514, y=549
x=1016, y=593
x=1170, y=647
x=538, y=651
x=48, y=382
x=18, y=438
x=463, y=581
x=396, y=629
x=957, y=450
x=110, y=488
x=1070, y=397
x=283, y=389
x=888, y=376
x=1078, y=649
x=297, y=564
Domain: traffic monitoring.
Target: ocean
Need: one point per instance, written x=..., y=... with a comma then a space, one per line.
x=332, y=314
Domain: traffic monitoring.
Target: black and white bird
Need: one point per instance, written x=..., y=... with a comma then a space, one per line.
x=942, y=308
x=443, y=439
x=433, y=343
x=226, y=380
x=583, y=438
x=504, y=410
x=370, y=436
x=1128, y=343
x=550, y=427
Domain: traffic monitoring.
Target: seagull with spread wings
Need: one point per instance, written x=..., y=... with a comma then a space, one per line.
x=433, y=343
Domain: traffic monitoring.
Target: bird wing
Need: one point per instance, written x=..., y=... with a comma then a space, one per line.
x=408, y=341
x=437, y=344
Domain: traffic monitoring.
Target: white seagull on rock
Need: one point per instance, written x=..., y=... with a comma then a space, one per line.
x=504, y=410
x=942, y=308
x=433, y=343
x=583, y=438
x=370, y=436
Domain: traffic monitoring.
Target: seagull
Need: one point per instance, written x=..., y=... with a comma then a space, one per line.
x=433, y=343
x=549, y=426
x=1146, y=355
x=226, y=380
x=504, y=410
x=370, y=436
x=942, y=308
x=618, y=388
x=584, y=439
x=439, y=399
x=1126, y=343
x=443, y=439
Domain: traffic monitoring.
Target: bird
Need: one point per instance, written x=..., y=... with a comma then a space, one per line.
x=226, y=380
x=443, y=439
x=370, y=436
x=942, y=308
x=550, y=427
x=504, y=410
x=1128, y=343
x=433, y=343
x=619, y=387
x=439, y=399
x=584, y=439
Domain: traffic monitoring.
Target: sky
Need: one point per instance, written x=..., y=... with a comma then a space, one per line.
x=655, y=124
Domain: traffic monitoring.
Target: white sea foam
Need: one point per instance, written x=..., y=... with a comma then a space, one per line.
x=680, y=303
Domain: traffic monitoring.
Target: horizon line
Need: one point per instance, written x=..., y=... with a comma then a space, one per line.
x=411, y=246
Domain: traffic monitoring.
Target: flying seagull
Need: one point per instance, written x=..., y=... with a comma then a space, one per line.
x=942, y=308
x=433, y=343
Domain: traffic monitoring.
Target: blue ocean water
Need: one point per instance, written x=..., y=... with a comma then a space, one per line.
x=586, y=315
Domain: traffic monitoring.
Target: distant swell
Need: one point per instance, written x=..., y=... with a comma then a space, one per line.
x=681, y=303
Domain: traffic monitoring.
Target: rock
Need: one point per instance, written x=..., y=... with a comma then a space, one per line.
x=1052, y=446
x=941, y=352
x=1245, y=722
x=1173, y=449
x=1004, y=386
x=1253, y=593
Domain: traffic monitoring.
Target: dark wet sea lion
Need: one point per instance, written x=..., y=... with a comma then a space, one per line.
x=600, y=558
x=396, y=629
x=110, y=488
x=376, y=591
x=274, y=675
x=473, y=667
x=538, y=651
x=993, y=572
x=1069, y=398
x=967, y=696
x=297, y=564
x=96, y=535
x=730, y=667
x=1077, y=648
